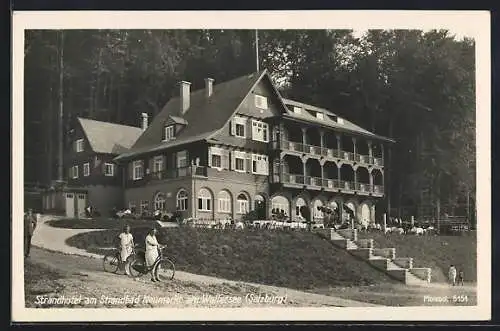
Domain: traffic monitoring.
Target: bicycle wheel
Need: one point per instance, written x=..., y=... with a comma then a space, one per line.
x=136, y=267
x=111, y=263
x=164, y=270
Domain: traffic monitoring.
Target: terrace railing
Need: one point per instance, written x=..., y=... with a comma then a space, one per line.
x=298, y=147
x=328, y=183
x=176, y=173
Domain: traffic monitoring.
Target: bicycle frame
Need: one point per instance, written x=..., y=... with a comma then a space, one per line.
x=155, y=263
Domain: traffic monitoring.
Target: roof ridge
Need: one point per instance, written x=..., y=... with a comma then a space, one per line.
x=110, y=123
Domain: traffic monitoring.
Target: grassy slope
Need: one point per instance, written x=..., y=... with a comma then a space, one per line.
x=436, y=252
x=99, y=223
x=293, y=259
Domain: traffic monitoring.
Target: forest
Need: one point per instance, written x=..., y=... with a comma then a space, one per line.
x=417, y=87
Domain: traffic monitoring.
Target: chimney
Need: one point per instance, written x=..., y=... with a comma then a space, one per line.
x=184, y=96
x=209, y=87
x=144, y=124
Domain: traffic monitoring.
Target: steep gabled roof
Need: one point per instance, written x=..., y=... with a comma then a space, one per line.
x=176, y=120
x=205, y=116
x=345, y=125
x=110, y=138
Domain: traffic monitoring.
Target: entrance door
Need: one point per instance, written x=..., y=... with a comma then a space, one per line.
x=70, y=205
x=82, y=202
x=365, y=214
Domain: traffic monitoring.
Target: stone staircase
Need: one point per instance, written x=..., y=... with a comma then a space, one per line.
x=384, y=259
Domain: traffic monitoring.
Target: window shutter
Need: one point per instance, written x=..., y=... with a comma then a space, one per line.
x=131, y=170
x=188, y=161
x=174, y=160
x=249, y=162
x=164, y=162
x=231, y=161
x=150, y=165
x=250, y=129
x=103, y=168
x=225, y=159
x=232, y=127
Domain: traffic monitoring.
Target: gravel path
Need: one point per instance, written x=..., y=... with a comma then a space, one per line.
x=82, y=274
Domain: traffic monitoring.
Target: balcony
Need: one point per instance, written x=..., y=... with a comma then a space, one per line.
x=169, y=174
x=312, y=150
x=177, y=173
x=332, y=185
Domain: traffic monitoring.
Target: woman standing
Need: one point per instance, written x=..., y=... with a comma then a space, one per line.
x=151, y=254
x=126, y=246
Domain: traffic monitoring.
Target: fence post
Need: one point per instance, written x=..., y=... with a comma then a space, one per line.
x=412, y=221
x=385, y=221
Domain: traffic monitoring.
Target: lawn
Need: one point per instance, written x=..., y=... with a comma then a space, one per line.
x=99, y=223
x=283, y=258
x=436, y=252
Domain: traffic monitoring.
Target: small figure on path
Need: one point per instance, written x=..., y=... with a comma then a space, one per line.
x=30, y=223
x=452, y=275
x=461, y=278
x=126, y=247
x=152, y=253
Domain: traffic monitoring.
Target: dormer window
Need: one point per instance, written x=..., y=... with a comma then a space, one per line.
x=297, y=110
x=169, y=132
x=260, y=101
x=340, y=120
x=320, y=116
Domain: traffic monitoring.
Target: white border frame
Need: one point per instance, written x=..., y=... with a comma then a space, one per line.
x=478, y=27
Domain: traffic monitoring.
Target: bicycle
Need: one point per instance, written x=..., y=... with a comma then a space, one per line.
x=112, y=261
x=163, y=268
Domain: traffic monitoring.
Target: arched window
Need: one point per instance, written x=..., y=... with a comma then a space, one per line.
x=260, y=206
x=182, y=200
x=224, y=199
x=258, y=201
x=242, y=202
x=280, y=204
x=204, y=200
x=160, y=201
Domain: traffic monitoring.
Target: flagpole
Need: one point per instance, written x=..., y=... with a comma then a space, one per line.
x=257, y=49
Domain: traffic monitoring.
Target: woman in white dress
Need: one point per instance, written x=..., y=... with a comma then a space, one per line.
x=126, y=246
x=152, y=253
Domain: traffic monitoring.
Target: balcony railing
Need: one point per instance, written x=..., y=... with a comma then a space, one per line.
x=328, y=183
x=174, y=173
x=326, y=152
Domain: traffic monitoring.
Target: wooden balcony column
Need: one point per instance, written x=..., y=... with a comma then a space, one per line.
x=355, y=179
x=338, y=172
x=321, y=139
x=370, y=151
x=281, y=133
x=382, y=150
x=304, y=136
x=280, y=169
x=304, y=168
x=370, y=175
x=354, y=149
x=339, y=147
